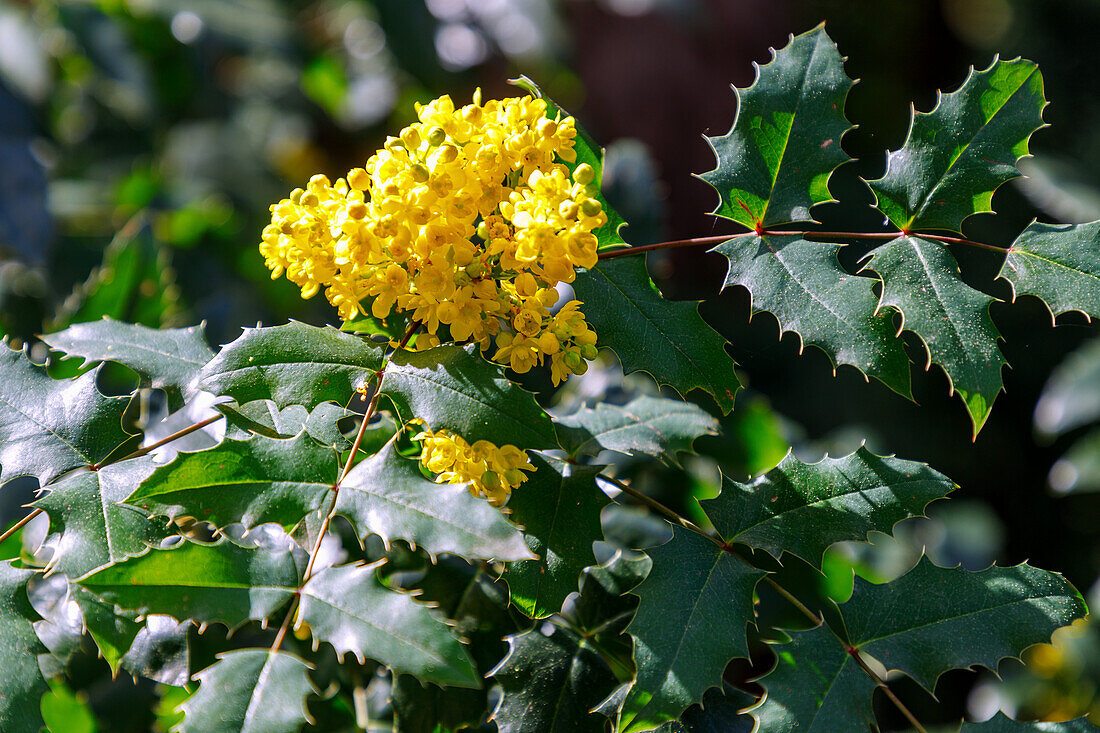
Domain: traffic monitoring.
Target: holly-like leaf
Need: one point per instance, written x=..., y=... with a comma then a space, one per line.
x=387, y=495
x=695, y=605
x=775, y=163
x=263, y=417
x=49, y=426
x=251, y=691
x=958, y=154
x=920, y=278
x=653, y=426
x=802, y=284
x=168, y=359
x=803, y=508
x=559, y=509
x=249, y=481
x=720, y=712
x=551, y=680
x=1059, y=264
x=418, y=707
x=347, y=607
x=208, y=583
x=1001, y=723
x=667, y=339
x=22, y=685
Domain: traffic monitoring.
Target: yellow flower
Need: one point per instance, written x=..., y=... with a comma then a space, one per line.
x=491, y=471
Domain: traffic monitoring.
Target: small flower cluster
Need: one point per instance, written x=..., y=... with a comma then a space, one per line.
x=467, y=221
x=491, y=471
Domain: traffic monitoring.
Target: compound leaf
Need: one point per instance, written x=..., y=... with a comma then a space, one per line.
x=920, y=278
x=775, y=163
x=1059, y=264
x=347, y=607
x=803, y=508
x=49, y=426
x=802, y=284
x=250, y=691
x=559, y=509
x=958, y=154
x=22, y=684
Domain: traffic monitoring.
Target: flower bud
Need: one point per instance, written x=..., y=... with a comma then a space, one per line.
x=436, y=136
x=584, y=174
x=591, y=207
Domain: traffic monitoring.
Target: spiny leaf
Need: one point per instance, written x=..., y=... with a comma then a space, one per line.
x=49, y=426
x=251, y=691
x=667, y=339
x=22, y=684
x=958, y=154
x=95, y=530
x=1059, y=264
x=220, y=583
x=263, y=417
x=691, y=621
x=249, y=481
x=720, y=712
x=803, y=508
x=387, y=495
x=418, y=707
x=802, y=284
x=347, y=607
x=551, y=680
x=920, y=278
x=646, y=425
x=559, y=509
x=775, y=163
x=168, y=359
x=1000, y=723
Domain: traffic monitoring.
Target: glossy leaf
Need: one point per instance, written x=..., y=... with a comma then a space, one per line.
x=775, y=163
x=921, y=279
x=720, y=712
x=559, y=510
x=251, y=691
x=803, y=508
x=1059, y=264
x=802, y=284
x=347, y=607
x=21, y=684
x=1000, y=723
x=958, y=154
x=263, y=417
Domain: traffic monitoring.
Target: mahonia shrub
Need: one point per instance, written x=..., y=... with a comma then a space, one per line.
x=375, y=526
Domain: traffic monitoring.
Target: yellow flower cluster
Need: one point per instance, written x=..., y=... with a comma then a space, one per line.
x=467, y=221
x=491, y=471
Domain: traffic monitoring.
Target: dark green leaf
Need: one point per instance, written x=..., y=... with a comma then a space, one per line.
x=250, y=691
x=263, y=417
x=921, y=279
x=347, y=607
x=49, y=426
x=559, y=509
x=1059, y=264
x=803, y=508
x=691, y=621
x=646, y=425
x=959, y=153
x=224, y=582
x=420, y=708
x=21, y=685
x=550, y=682
x=168, y=359
x=775, y=163
x=1000, y=723
x=720, y=712
x=387, y=495
x=802, y=284
x=667, y=339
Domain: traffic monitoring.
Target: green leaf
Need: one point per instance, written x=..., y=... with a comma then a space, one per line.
x=775, y=163
x=220, y=583
x=1078, y=470
x=95, y=529
x=1059, y=264
x=920, y=278
x=691, y=621
x=1000, y=723
x=251, y=691
x=263, y=417
x=347, y=607
x=653, y=426
x=802, y=284
x=387, y=495
x=168, y=359
x=22, y=685
x=559, y=508
x=815, y=687
x=720, y=712
x=249, y=481
x=420, y=708
x=803, y=508
x=64, y=711
x=49, y=426
x=551, y=680
x=667, y=339
x=958, y=154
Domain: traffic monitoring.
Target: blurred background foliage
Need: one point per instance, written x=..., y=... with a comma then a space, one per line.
x=141, y=142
